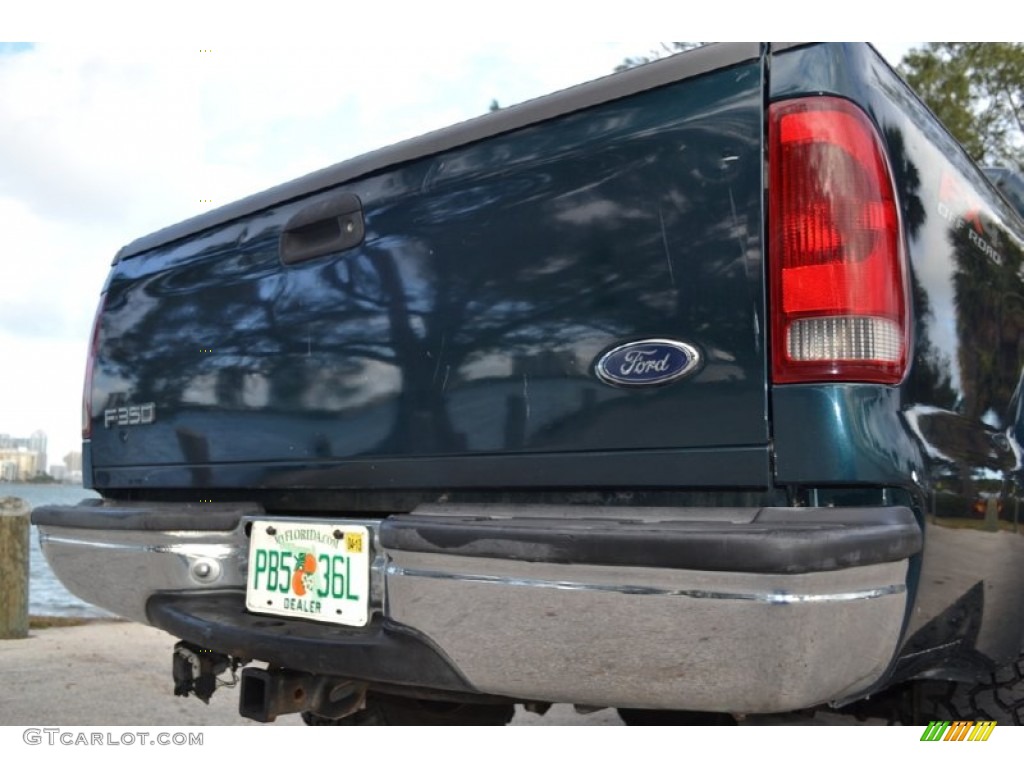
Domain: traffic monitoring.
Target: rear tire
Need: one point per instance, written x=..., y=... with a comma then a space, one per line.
x=382, y=709
x=999, y=698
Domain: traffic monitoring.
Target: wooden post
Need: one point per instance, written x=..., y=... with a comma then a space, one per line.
x=14, y=548
x=992, y=514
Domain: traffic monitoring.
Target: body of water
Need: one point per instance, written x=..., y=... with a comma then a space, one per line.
x=47, y=596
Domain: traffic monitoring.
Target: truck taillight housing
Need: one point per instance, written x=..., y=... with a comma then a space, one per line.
x=835, y=265
x=94, y=341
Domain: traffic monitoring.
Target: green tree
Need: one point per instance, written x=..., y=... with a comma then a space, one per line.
x=663, y=49
x=977, y=91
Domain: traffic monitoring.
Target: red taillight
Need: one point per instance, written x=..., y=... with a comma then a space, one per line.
x=837, y=280
x=94, y=340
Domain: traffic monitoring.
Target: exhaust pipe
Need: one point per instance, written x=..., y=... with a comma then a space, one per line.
x=267, y=693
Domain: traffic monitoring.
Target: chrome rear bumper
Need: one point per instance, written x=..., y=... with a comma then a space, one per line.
x=600, y=633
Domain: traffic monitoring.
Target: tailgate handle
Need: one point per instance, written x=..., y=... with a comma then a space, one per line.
x=329, y=225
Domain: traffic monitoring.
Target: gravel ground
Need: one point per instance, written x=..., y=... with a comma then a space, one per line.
x=118, y=673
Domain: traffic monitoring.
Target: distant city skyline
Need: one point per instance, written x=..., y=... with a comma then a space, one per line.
x=25, y=458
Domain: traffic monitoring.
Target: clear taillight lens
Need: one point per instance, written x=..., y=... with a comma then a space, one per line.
x=838, y=292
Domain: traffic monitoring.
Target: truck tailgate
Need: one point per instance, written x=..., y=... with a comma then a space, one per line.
x=439, y=321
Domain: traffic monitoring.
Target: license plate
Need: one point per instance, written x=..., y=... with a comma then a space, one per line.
x=309, y=570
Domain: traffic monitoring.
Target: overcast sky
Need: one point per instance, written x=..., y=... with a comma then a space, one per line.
x=100, y=144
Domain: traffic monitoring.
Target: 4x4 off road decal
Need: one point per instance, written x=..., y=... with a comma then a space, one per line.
x=959, y=730
x=962, y=209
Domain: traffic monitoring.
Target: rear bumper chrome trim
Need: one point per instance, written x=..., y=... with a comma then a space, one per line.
x=772, y=598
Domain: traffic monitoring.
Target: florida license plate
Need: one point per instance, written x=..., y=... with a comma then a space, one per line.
x=309, y=570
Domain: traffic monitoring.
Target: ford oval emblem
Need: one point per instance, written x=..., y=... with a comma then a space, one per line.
x=647, y=363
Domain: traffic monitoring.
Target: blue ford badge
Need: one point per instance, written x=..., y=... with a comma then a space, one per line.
x=647, y=363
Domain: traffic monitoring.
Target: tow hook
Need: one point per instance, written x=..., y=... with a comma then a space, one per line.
x=267, y=693
x=195, y=670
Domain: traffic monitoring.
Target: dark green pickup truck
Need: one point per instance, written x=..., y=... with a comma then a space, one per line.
x=695, y=389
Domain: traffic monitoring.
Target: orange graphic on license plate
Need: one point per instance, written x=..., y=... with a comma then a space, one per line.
x=302, y=579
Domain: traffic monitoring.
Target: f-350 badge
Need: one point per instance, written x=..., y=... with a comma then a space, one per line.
x=129, y=415
x=646, y=363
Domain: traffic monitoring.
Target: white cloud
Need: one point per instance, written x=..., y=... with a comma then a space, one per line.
x=41, y=388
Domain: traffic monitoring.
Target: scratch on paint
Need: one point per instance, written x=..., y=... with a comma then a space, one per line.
x=437, y=365
x=447, y=370
x=737, y=224
x=664, y=242
x=526, y=396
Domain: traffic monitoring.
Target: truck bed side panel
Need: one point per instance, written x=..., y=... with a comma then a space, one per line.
x=950, y=435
